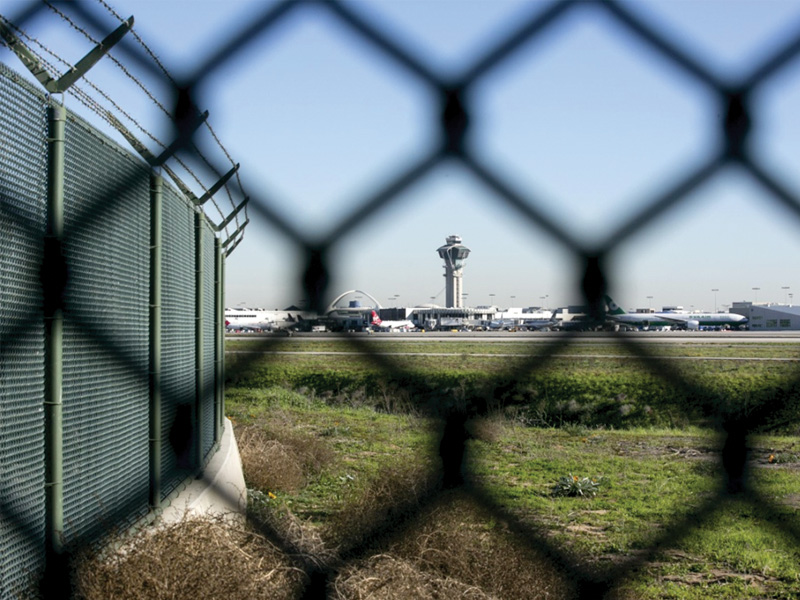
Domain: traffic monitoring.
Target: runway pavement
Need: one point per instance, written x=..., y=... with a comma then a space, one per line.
x=657, y=337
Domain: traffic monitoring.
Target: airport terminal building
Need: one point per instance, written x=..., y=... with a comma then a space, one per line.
x=769, y=317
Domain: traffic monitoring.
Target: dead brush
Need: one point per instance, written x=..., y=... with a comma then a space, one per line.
x=303, y=539
x=385, y=577
x=198, y=557
x=456, y=540
x=279, y=458
x=490, y=429
x=380, y=504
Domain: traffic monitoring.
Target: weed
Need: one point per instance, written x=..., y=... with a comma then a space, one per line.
x=572, y=485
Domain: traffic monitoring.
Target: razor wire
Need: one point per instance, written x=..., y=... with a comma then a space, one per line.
x=457, y=117
x=94, y=101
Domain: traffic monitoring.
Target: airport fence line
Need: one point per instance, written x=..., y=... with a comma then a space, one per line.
x=26, y=360
x=110, y=308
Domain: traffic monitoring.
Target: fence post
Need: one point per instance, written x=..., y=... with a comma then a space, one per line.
x=219, y=332
x=156, y=198
x=54, y=280
x=199, y=339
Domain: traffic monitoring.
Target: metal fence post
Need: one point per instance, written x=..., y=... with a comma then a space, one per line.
x=199, y=305
x=219, y=346
x=156, y=226
x=54, y=280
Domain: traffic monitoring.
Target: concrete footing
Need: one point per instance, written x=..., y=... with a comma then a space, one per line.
x=220, y=491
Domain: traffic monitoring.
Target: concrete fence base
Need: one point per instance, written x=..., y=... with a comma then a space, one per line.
x=220, y=491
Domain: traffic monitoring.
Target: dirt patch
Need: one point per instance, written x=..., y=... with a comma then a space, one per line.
x=588, y=529
x=717, y=577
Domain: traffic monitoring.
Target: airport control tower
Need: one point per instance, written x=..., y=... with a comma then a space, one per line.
x=454, y=255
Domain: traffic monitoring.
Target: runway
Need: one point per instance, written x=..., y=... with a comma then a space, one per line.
x=489, y=337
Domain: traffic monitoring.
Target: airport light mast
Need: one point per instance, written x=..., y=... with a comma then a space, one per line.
x=454, y=255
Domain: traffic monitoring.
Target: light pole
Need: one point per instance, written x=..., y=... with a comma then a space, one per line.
x=715, y=290
x=755, y=289
x=649, y=302
x=491, y=299
x=785, y=289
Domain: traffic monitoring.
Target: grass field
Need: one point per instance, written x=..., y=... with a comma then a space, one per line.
x=583, y=464
x=364, y=438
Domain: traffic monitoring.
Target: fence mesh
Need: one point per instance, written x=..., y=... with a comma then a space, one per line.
x=452, y=94
x=23, y=129
x=106, y=396
x=178, y=333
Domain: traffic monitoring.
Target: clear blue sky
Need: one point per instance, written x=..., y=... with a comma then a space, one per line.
x=586, y=121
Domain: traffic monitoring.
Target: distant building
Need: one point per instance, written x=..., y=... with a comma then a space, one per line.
x=769, y=317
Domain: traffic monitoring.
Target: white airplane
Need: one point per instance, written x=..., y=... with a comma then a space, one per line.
x=391, y=325
x=254, y=319
x=247, y=319
x=671, y=319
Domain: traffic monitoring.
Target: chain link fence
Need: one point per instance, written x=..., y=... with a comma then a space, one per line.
x=121, y=351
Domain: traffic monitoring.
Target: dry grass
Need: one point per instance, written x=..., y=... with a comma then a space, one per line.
x=385, y=577
x=450, y=549
x=454, y=550
x=447, y=549
x=276, y=457
x=193, y=559
x=381, y=505
x=457, y=540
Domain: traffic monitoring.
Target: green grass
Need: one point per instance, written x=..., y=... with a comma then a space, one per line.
x=521, y=346
x=586, y=389
x=659, y=484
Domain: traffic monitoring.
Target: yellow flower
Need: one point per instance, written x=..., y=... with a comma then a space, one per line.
x=772, y=458
x=271, y=495
x=574, y=478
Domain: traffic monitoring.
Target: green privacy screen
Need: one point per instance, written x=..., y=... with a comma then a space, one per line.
x=112, y=473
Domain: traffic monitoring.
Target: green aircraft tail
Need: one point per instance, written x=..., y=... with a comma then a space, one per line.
x=613, y=307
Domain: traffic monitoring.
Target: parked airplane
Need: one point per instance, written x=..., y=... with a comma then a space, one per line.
x=247, y=319
x=671, y=319
x=390, y=325
x=503, y=324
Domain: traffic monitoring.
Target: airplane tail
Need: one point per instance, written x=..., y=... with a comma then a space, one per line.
x=376, y=320
x=613, y=307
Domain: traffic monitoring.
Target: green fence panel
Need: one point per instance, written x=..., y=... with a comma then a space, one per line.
x=106, y=334
x=106, y=451
x=23, y=169
x=177, y=340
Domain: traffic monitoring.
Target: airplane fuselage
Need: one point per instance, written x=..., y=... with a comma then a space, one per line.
x=688, y=320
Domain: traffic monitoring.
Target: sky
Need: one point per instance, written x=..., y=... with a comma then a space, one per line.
x=586, y=122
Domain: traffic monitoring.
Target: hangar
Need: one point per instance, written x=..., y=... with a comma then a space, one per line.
x=769, y=317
